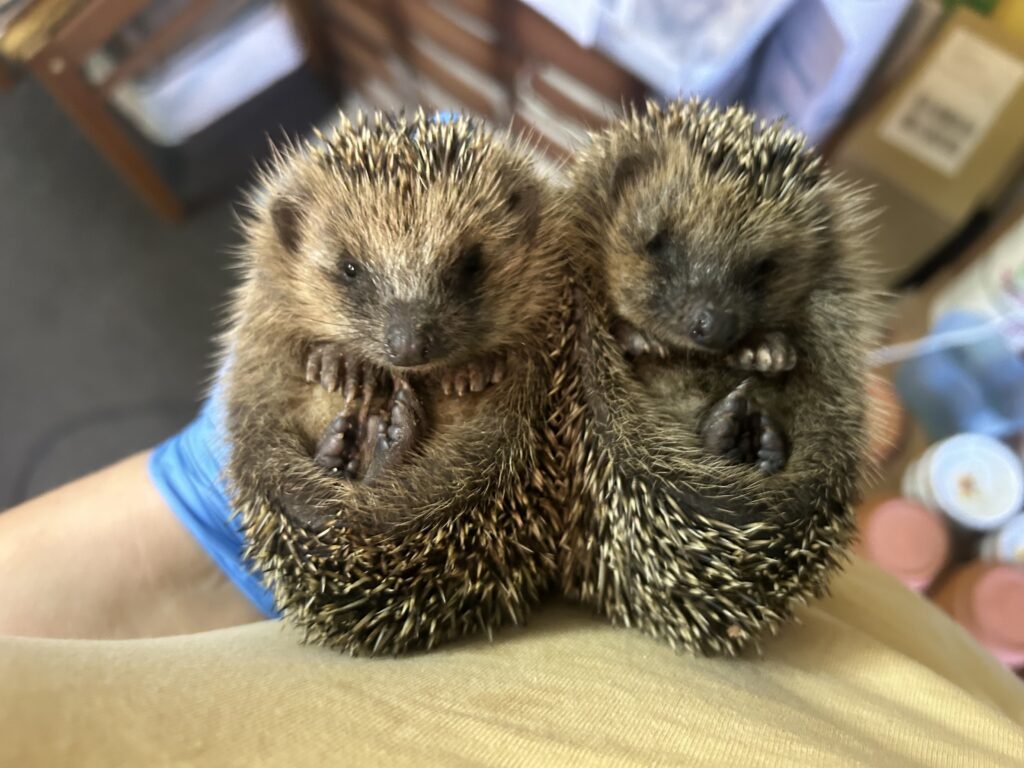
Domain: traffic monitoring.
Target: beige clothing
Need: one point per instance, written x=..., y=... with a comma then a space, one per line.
x=873, y=676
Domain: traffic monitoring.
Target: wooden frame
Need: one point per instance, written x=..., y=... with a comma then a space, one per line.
x=58, y=66
x=8, y=77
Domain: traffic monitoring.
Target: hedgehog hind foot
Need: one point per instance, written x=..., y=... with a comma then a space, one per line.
x=771, y=446
x=338, y=449
x=394, y=432
x=736, y=430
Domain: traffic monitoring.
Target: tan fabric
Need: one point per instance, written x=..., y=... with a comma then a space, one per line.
x=874, y=676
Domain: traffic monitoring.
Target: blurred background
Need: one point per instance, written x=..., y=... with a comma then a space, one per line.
x=128, y=129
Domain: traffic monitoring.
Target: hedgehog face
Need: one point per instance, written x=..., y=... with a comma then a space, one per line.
x=411, y=271
x=697, y=257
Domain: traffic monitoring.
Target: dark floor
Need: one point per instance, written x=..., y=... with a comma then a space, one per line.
x=106, y=312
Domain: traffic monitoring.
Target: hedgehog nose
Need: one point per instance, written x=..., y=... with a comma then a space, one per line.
x=714, y=328
x=408, y=343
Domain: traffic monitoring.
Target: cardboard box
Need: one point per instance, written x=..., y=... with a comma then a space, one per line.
x=943, y=144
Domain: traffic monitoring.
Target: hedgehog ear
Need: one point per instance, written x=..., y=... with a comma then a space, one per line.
x=287, y=218
x=625, y=172
x=524, y=201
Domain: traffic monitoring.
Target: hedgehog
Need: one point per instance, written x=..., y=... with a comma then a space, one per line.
x=385, y=390
x=717, y=312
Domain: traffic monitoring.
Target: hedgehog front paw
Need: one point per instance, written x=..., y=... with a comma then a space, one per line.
x=770, y=354
x=635, y=342
x=474, y=377
x=326, y=365
x=338, y=449
x=735, y=430
x=397, y=432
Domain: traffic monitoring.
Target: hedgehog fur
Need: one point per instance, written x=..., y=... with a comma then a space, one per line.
x=685, y=199
x=457, y=537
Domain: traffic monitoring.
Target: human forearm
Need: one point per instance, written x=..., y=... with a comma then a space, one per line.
x=104, y=556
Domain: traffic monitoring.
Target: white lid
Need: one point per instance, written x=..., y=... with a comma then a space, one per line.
x=1007, y=544
x=976, y=480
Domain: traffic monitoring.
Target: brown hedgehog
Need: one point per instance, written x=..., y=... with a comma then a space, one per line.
x=386, y=388
x=711, y=380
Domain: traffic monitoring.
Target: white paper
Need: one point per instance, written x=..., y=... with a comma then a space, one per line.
x=682, y=47
x=577, y=18
x=818, y=58
x=202, y=83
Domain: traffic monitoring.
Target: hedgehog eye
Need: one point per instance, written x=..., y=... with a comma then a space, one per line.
x=350, y=270
x=469, y=265
x=657, y=244
x=765, y=268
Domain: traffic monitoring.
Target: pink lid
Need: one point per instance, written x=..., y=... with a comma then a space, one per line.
x=906, y=539
x=997, y=611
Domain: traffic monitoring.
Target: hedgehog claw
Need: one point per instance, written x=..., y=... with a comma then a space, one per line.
x=769, y=354
x=475, y=376
x=312, y=368
x=330, y=372
x=498, y=371
x=326, y=364
x=635, y=342
x=352, y=382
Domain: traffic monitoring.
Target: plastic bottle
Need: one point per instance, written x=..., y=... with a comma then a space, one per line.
x=975, y=480
x=1005, y=545
x=988, y=601
x=905, y=539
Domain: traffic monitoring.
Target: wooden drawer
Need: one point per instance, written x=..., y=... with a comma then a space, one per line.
x=369, y=22
x=563, y=102
x=423, y=18
x=524, y=127
x=485, y=10
x=464, y=93
x=556, y=131
x=356, y=59
x=538, y=38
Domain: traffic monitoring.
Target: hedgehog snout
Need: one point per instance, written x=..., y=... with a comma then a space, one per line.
x=714, y=328
x=410, y=340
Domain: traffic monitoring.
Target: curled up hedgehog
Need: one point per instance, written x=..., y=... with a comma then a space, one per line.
x=711, y=376
x=387, y=388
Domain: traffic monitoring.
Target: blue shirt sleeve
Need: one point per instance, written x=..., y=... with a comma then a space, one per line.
x=187, y=471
